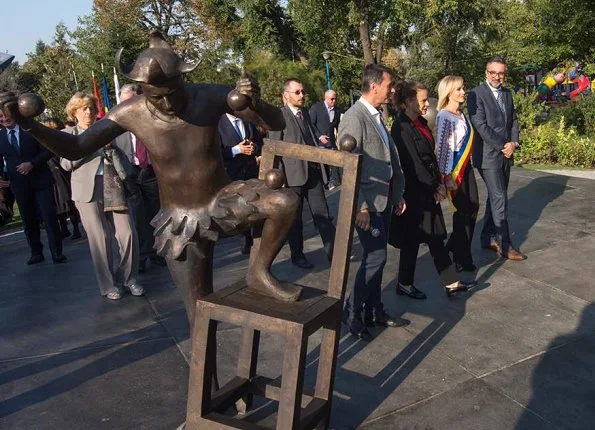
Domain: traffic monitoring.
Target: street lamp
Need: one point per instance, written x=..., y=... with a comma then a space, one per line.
x=327, y=55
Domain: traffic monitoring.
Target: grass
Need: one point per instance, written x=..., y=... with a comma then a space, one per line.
x=531, y=166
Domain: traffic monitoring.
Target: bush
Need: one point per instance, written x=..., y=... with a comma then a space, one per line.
x=579, y=114
x=528, y=110
x=557, y=143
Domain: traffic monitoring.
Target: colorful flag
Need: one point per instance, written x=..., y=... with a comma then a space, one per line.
x=100, y=110
x=106, y=103
x=117, y=86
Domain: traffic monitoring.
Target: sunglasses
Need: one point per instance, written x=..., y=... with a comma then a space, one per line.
x=297, y=93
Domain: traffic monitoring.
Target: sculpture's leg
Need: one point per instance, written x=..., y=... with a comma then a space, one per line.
x=193, y=275
x=280, y=210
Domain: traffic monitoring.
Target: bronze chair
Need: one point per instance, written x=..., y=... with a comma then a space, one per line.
x=295, y=321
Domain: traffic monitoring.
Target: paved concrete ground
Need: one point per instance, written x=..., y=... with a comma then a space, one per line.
x=518, y=352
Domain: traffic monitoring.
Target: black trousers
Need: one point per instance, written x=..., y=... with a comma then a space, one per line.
x=30, y=201
x=313, y=192
x=144, y=208
x=466, y=202
x=439, y=253
x=495, y=223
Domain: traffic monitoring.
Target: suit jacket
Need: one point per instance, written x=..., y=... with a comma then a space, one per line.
x=296, y=171
x=124, y=143
x=423, y=219
x=30, y=150
x=375, y=179
x=322, y=123
x=492, y=127
x=83, y=171
x=242, y=166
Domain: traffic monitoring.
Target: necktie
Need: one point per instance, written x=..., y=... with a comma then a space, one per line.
x=13, y=139
x=299, y=115
x=500, y=99
x=141, y=154
x=236, y=123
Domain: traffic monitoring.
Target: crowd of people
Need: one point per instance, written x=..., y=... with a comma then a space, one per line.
x=406, y=173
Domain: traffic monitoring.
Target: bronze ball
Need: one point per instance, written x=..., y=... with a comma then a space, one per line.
x=30, y=105
x=274, y=179
x=347, y=143
x=237, y=101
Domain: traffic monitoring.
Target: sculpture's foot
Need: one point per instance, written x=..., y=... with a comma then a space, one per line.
x=265, y=283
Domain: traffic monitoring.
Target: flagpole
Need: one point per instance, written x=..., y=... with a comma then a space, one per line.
x=117, y=86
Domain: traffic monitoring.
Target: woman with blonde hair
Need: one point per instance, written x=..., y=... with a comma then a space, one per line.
x=102, y=206
x=423, y=221
x=454, y=144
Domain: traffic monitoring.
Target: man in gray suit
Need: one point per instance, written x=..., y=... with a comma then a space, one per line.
x=303, y=177
x=381, y=187
x=492, y=114
x=146, y=205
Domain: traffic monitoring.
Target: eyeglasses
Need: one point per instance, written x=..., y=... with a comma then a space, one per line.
x=494, y=74
x=297, y=93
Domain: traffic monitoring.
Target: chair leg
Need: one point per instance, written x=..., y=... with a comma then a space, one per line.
x=247, y=362
x=202, y=367
x=325, y=376
x=290, y=400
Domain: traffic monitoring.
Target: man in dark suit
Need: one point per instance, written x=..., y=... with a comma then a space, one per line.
x=146, y=204
x=240, y=147
x=305, y=178
x=492, y=114
x=31, y=182
x=325, y=118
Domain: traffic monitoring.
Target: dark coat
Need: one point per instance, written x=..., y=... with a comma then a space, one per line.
x=423, y=218
x=242, y=166
x=323, y=126
x=296, y=171
x=30, y=150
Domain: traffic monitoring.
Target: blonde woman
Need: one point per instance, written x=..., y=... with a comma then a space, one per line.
x=454, y=144
x=88, y=186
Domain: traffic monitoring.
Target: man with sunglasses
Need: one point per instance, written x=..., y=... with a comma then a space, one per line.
x=492, y=114
x=325, y=118
x=305, y=178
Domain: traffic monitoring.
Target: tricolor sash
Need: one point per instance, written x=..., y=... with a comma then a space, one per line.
x=461, y=161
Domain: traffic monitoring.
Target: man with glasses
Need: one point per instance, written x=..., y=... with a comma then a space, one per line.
x=325, y=118
x=492, y=114
x=304, y=177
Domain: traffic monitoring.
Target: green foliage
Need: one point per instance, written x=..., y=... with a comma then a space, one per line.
x=579, y=114
x=271, y=72
x=528, y=110
x=556, y=143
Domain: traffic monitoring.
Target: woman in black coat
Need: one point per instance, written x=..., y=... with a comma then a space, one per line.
x=423, y=221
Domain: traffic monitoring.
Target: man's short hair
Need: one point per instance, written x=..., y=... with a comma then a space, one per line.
x=289, y=81
x=373, y=73
x=496, y=59
x=130, y=88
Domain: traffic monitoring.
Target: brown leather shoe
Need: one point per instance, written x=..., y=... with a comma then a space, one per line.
x=494, y=246
x=515, y=255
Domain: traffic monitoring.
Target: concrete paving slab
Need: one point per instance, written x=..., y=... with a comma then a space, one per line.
x=141, y=385
x=558, y=385
x=473, y=405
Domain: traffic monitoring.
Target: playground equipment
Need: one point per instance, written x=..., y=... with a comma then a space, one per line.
x=560, y=75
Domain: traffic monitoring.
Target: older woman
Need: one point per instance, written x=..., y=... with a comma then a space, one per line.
x=88, y=192
x=423, y=221
x=454, y=144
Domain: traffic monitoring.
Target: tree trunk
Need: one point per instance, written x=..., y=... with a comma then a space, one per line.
x=364, y=36
x=380, y=41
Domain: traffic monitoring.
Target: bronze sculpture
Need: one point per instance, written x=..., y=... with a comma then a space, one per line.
x=177, y=123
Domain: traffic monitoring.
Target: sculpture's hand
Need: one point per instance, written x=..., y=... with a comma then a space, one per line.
x=10, y=106
x=248, y=86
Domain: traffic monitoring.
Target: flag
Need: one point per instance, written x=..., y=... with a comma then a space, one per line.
x=100, y=110
x=106, y=103
x=117, y=86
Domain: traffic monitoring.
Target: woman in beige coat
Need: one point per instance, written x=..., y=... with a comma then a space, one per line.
x=87, y=183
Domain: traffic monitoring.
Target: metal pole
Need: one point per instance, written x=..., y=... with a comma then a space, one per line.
x=328, y=75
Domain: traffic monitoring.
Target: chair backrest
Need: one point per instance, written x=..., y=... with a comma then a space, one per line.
x=351, y=164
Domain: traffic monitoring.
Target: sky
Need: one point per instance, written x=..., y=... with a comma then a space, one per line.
x=24, y=22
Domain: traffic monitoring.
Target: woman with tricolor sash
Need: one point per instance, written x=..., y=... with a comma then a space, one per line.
x=423, y=221
x=454, y=142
